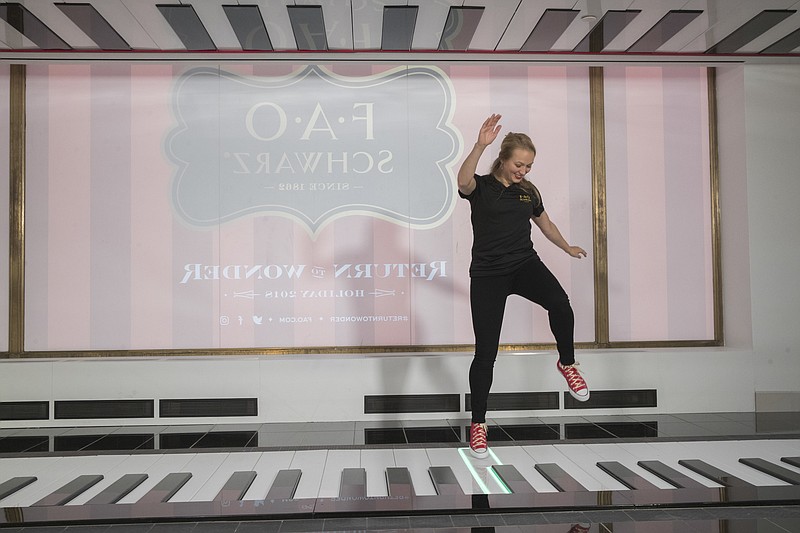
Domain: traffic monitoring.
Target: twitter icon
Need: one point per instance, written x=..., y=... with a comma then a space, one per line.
x=257, y=320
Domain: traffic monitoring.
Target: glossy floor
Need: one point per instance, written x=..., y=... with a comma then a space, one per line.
x=577, y=442
x=392, y=432
x=696, y=520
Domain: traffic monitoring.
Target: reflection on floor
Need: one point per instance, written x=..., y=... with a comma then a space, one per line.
x=717, y=520
x=731, y=504
x=407, y=432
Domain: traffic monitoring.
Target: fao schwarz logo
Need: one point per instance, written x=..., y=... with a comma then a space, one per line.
x=314, y=146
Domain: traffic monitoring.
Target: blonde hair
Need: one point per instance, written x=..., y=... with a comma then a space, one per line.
x=511, y=142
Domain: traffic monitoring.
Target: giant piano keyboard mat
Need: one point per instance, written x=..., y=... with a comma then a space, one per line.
x=314, y=483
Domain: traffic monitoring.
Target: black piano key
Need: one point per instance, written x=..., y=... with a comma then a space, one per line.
x=713, y=473
x=119, y=489
x=794, y=461
x=398, y=481
x=444, y=481
x=353, y=483
x=557, y=477
x=625, y=475
x=14, y=484
x=166, y=488
x=670, y=475
x=513, y=479
x=776, y=471
x=285, y=485
x=70, y=491
x=234, y=489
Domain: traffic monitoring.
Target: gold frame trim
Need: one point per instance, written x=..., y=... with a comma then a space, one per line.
x=599, y=213
x=17, y=153
x=716, y=233
x=16, y=212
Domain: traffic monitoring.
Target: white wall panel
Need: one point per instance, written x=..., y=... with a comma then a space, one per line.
x=331, y=388
x=773, y=127
x=732, y=131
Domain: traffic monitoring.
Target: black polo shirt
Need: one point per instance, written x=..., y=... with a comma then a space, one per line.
x=501, y=226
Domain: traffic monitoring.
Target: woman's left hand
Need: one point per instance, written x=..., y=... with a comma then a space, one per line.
x=576, y=251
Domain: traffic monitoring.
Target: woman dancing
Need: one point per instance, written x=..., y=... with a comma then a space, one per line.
x=504, y=262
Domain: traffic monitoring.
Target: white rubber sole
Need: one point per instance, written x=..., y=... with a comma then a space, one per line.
x=478, y=455
x=579, y=398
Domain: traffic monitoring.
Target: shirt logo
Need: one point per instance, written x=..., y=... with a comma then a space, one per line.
x=525, y=198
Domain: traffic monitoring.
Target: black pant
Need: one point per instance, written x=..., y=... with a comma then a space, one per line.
x=488, y=294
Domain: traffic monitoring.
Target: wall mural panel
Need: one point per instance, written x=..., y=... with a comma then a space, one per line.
x=272, y=205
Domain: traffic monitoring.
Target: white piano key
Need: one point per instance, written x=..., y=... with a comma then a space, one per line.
x=725, y=456
x=202, y=466
x=778, y=448
x=57, y=474
x=550, y=453
x=312, y=464
x=166, y=464
x=473, y=475
x=524, y=463
x=166, y=488
x=450, y=457
x=584, y=457
x=267, y=468
x=23, y=467
x=69, y=490
x=697, y=450
x=628, y=456
x=131, y=464
x=337, y=461
x=417, y=462
x=118, y=489
x=773, y=451
x=670, y=453
x=14, y=484
x=321, y=469
x=375, y=462
x=234, y=462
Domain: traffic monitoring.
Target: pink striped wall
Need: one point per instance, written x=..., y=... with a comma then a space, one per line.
x=658, y=197
x=152, y=283
x=76, y=226
x=68, y=226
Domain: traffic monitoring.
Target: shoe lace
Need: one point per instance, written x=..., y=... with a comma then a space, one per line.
x=574, y=378
x=478, y=436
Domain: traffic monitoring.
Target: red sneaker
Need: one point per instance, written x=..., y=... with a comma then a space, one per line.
x=477, y=440
x=577, y=386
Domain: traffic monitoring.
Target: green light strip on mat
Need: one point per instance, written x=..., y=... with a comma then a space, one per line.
x=464, y=457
